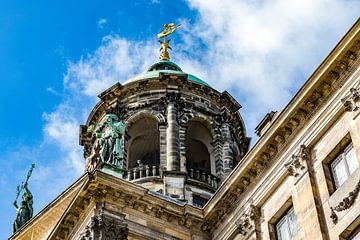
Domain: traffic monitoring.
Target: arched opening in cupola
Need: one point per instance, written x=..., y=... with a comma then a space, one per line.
x=144, y=143
x=198, y=147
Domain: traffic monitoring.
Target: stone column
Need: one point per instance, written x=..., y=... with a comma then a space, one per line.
x=172, y=139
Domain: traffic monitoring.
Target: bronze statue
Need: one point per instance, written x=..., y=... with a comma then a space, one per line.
x=24, y=211
x=108, y=144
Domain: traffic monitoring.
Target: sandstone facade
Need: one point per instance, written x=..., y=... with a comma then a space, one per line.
x=291, y=176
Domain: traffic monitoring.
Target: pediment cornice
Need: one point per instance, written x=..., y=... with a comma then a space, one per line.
x=323, y=83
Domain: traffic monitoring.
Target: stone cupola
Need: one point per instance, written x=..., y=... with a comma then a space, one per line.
x=166, y=130
x=181, y=137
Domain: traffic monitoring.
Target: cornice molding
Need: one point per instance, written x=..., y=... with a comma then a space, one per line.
x=106, y=188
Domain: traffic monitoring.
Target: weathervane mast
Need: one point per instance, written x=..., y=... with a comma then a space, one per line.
x=167, y=30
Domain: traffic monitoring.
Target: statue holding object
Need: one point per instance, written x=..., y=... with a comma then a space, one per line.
x=166, y=31
x=108, y=145
x=24, y=211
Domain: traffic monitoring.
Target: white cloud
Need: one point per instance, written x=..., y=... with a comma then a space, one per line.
x=62, y=127
x=263, y=50
x=259, y=50
x=102, y=22
x=115, y=61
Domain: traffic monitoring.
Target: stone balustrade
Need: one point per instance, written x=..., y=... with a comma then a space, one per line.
x=199, y=175
x=143, y=171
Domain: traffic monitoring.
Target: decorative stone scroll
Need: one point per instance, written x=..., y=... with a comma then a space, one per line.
x=351, y=101
x=105, y=227
x=246, y=223
x=345, y=204
x=297, y=164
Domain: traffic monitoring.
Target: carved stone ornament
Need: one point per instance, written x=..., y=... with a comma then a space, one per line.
x=346, y=203
x=246, y=222
x=351, y=101
x=105, y=227
x=297, y=164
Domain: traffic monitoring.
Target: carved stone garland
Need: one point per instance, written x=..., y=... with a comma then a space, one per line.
x=246, y=223
x=297, y=163
x=105, y=227
x=345, y=204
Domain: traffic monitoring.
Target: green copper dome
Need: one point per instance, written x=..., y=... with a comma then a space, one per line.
x=165, y=66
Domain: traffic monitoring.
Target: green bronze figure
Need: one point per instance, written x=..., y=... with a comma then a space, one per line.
x=111, y=140
x=24, y=211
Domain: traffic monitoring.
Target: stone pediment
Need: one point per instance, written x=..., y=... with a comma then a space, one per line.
x=120, y=198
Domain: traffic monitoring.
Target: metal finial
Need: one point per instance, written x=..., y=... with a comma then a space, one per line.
x=167, y=30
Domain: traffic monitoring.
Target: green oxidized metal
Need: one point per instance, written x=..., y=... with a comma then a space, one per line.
x=111, y=141
x=169, y=67
x=24, y=211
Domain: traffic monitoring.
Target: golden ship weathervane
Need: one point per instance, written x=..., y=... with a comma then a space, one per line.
x=166, y=31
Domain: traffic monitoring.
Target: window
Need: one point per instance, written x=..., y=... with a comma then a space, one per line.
x=344, y=165
x=144, y=142
x=199, y=201
x=356, y=237
x=198, y=146
x=286, y=226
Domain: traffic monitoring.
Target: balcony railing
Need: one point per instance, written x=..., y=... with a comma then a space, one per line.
x=143, y=171
x=199, y=175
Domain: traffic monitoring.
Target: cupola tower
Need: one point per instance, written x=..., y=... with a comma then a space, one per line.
x=166, y=130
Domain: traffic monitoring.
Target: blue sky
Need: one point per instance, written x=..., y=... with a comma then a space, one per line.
x=56, y=56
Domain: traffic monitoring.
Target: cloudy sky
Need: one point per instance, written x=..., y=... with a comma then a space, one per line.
x=55, y=58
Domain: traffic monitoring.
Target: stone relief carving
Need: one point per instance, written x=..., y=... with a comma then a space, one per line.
x=346, y=203
x=105, y=227
x=351, y=101
x=297, y=164
x=246, y=223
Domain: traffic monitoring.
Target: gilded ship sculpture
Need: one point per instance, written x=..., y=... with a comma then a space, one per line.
x=167, y=30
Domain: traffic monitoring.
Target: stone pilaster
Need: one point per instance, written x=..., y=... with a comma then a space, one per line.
x=172, y=139
x=218, y=153
x=162, y=134
x=182, y=136
x=227, y=151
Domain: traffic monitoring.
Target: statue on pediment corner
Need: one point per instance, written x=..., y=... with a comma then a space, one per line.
x=24, y=211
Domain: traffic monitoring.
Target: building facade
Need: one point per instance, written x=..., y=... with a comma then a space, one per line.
x=167, y=157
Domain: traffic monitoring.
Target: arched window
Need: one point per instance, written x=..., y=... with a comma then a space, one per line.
x=144, y=143
x=198, y=147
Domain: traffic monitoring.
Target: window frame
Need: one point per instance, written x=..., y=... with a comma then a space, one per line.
x=342, y=159
x=285, y=218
